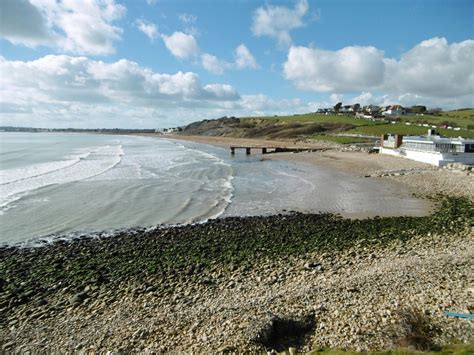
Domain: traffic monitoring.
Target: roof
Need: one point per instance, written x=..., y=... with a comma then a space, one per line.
x=437, y=139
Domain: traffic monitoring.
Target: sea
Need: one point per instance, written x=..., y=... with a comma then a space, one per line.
x=67, y=185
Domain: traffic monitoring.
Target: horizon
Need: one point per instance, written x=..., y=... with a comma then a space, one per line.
x=141, y=64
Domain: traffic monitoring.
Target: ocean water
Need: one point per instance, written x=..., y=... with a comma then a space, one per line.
x=69, y=184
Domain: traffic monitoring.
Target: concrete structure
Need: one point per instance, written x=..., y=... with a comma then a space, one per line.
x=267, y=150
x=431, y=149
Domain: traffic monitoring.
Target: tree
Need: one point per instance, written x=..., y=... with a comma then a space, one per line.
x=337, y=107
x=356, y=107
x=418, y=109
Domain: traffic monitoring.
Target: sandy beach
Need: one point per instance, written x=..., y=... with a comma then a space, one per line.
x=420, y=178
x=294, y=282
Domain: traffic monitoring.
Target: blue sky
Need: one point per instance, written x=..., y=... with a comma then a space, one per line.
x=163, y=63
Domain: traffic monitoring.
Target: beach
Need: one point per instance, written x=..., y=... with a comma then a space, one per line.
x=236, y=284
x=420, y=178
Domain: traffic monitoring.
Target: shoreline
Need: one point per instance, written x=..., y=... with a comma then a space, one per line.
x=419, y=178
x=228, y=284
x=223, y=287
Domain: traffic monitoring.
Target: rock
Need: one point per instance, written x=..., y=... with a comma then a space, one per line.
x=313, y=266
x=292, y=351
x=189, y=271
x=8, y=345
x=41, y=302
x=78, y=298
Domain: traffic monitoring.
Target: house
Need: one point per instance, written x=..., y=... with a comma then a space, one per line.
x=346, y=109
x=431, y=149
x=393, y=111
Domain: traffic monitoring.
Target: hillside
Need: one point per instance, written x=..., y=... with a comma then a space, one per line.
x=331, y=127
x=264, y=128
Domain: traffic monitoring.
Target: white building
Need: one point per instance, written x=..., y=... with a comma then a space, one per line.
x=394, y=111
x=431, y=149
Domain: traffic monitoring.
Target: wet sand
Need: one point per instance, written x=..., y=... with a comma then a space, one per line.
x=415, y=177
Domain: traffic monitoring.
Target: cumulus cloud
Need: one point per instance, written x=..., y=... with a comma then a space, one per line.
x=184, y=46
x=348, y=69
x=244, y=59
x=181, y=45
x=23, y=23
x=68, y=91
x=278, y=21
x=84, y=27
x=63, y=83
x=148, y=28
x=432, y=69
x=213, y=64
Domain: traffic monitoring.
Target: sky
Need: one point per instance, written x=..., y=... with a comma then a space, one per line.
x=165, y=63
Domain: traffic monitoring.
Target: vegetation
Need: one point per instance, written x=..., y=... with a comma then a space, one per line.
x=460, y=118
x=176, y=251
x=415, y=330
x=325, y=127
x=313, y=118
x=404, y=129
x=340, y=139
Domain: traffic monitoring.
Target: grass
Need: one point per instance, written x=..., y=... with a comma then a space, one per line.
x=453, y=118
x=312, y=118
x=399, y=128
x=340, y=139
x=364, y=126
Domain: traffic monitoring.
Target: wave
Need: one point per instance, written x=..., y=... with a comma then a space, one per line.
x=87, y=165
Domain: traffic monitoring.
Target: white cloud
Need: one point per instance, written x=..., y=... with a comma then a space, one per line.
x=67, y=91
x=244, y=59
x=181, y=45
x=278, y=21
x=84, y=27
x=60, y=83
x=222, y=92
x=23, y=23
x=213, y=64
x=335, y=98
x=346, y=70
x=148, y=28
x=188, y=21
x=366, y=98
x=184, y=46
x=433, y=69
x=187, y=18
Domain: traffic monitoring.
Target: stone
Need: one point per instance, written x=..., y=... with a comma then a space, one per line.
x=78, y=298
x=8, y=345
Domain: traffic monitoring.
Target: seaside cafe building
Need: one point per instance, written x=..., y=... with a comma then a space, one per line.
x=431, y=149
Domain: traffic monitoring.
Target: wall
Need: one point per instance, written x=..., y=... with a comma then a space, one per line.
x=433, y=158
